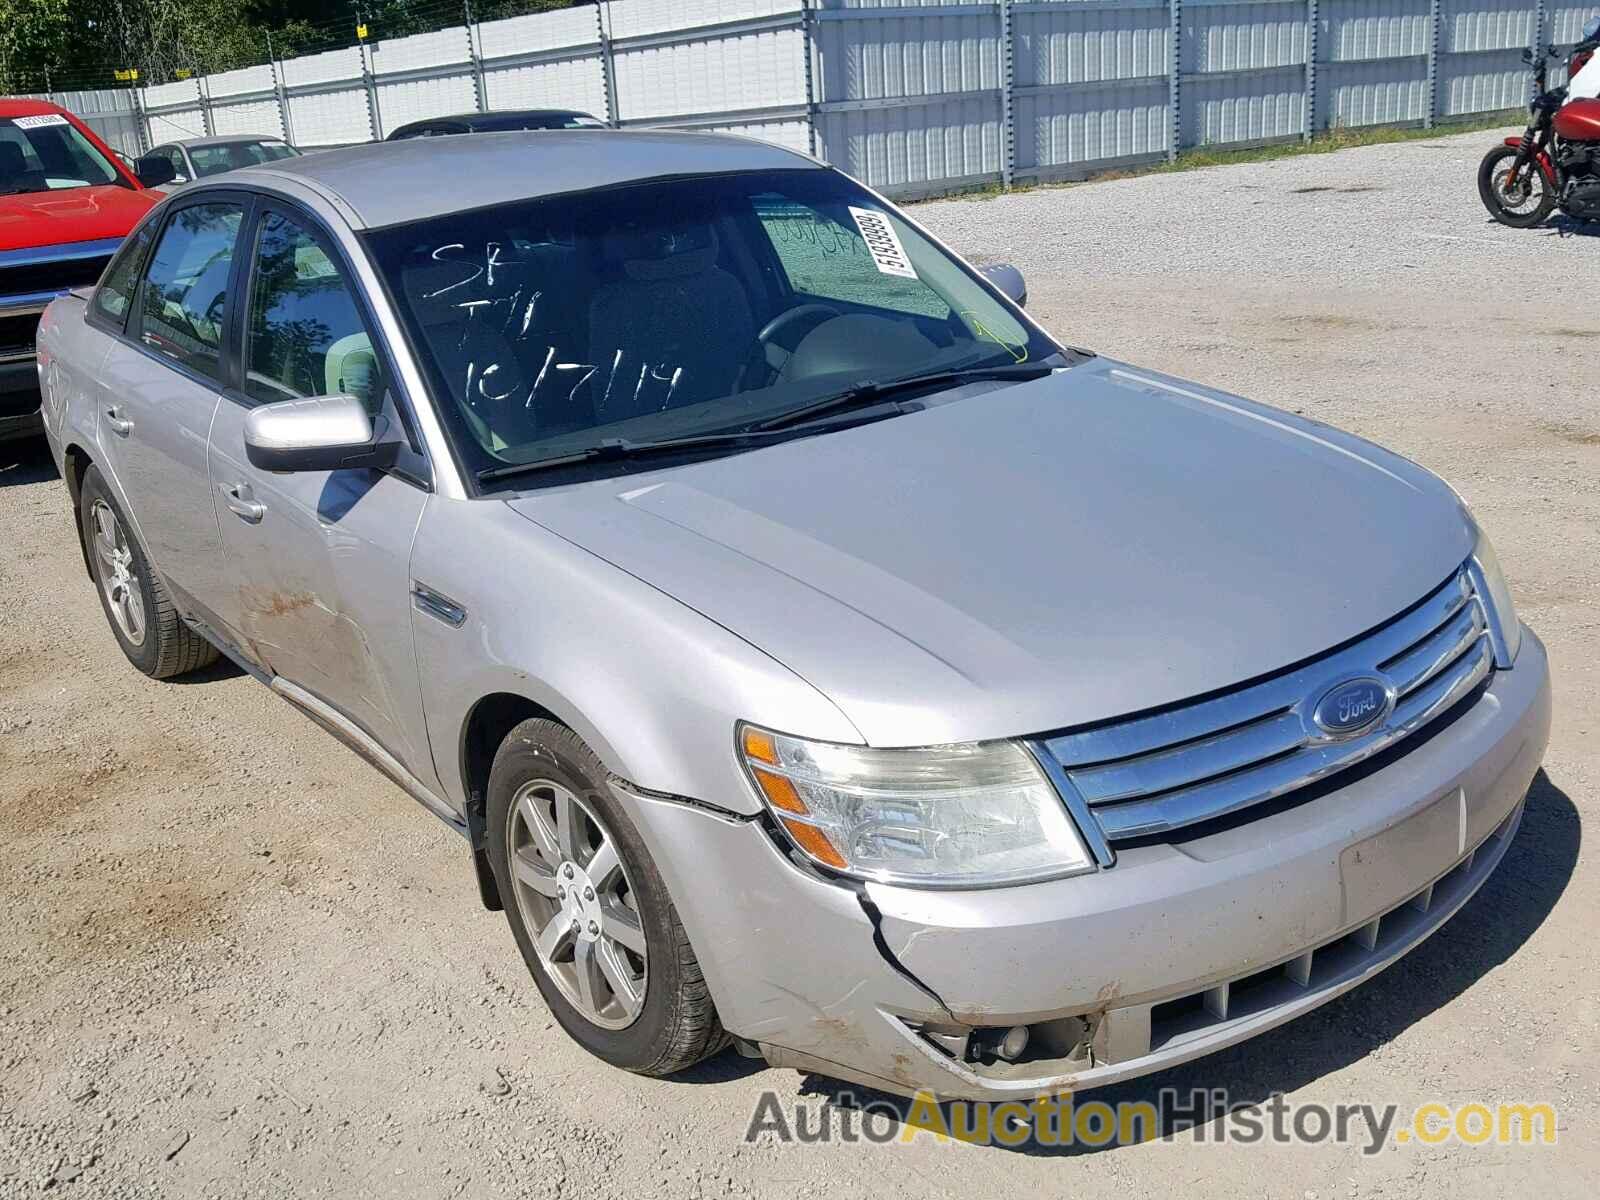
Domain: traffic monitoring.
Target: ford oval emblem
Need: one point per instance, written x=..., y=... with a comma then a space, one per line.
x=1352, y=706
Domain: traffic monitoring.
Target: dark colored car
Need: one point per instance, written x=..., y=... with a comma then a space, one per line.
x=498, y=122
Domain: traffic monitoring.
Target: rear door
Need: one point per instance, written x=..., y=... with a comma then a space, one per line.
x=318, y=561
x=159, y=389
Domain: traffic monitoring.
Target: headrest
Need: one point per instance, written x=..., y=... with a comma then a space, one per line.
x=664, y=251
x=12, y=161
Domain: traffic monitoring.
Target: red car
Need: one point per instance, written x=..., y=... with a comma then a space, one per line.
x=66, y=202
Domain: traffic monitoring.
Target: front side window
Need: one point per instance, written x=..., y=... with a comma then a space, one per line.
x=183, y=305
x=230, y=156
x=678, y=308
x=305, y=335
x=49, y=153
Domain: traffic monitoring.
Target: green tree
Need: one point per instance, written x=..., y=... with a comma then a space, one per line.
x=72, y=44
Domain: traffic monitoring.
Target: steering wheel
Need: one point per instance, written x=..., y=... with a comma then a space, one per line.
x=768, y=355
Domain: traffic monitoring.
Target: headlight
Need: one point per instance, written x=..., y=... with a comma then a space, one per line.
x=1505, y=631
x=971, y=815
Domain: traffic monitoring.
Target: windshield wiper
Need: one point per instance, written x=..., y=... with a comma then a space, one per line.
x=872, y=391
x=618, y=449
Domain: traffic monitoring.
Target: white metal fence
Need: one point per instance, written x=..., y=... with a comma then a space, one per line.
x=912, y=96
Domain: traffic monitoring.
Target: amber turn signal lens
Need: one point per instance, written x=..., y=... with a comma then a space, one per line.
x=779, y=791
x=814, y=842
x=758, y=745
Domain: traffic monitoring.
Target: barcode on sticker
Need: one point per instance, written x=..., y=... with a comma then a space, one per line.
x=883, y=243
x=36, y=122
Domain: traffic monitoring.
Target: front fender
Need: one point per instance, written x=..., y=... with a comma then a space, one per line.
x=652, y=686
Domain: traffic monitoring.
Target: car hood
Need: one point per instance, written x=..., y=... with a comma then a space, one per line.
x=1092, y=544
x=83, y=214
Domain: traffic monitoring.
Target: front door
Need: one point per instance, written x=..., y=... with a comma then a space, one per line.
x=319, y=560
x=159, y=389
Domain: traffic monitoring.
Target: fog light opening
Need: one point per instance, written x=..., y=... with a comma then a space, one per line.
x=1013, y=1044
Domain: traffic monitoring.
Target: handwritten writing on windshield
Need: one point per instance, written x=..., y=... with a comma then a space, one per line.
x=513, y=314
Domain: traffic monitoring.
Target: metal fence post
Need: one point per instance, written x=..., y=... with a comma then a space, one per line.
x=808, y=36
x=1434, y=21
x=1008, y=77
x=204, y=95
x=373, y=121
x=608, y=73
x=1174, y=91
x=1313, y=28
x=474, y=33
x=281, y=92
x=1538, y=37
x=141, y=121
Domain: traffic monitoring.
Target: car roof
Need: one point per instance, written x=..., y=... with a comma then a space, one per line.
x=498, y=115
x=390, y=183
x=225, y=139
x=16, y=106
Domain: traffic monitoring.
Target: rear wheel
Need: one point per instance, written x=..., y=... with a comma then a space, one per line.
x=589, y=910
x=152, y=634
x=1522, y=204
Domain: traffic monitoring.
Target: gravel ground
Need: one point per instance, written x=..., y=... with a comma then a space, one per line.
x=235, y=961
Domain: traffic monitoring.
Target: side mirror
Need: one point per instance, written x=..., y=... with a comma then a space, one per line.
x=1009, y=280
x=153, y=170
x=323, y=433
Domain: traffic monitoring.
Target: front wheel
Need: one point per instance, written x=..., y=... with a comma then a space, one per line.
x=589, y=910
x=1522, y=204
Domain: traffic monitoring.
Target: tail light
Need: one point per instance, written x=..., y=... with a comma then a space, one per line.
x=1578, y=62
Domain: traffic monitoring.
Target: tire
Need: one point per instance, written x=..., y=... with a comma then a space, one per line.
x=669, y=1022
x=158, y=642
x=1495, y=165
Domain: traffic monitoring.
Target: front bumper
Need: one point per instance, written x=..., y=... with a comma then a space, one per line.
x=1175, y=951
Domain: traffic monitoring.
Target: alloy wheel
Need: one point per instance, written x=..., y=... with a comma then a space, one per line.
x=577, y=901
x=118, y=580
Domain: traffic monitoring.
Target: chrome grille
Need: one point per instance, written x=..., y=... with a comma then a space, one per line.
x=1152, y=775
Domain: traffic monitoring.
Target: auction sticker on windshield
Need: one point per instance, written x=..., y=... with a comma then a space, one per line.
x=883, y=243
x=38, y=121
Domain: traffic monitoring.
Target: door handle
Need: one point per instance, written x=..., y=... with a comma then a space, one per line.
x=120, y=426
x=242, y=503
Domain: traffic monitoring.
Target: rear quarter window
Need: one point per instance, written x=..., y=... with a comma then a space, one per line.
x=115, y=293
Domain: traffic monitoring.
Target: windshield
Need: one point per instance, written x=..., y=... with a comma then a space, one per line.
x=47, y=152
x=678, y=308
x=229, y=156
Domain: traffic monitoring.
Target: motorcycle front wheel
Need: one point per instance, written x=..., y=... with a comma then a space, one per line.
x=1521, y=206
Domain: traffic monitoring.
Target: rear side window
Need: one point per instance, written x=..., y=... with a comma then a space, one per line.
x=184, y=300
x=115, y=294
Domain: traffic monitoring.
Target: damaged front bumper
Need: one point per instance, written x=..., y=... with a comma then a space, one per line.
x=1175, y=951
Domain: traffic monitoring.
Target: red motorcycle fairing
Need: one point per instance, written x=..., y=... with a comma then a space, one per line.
x=1545, y=165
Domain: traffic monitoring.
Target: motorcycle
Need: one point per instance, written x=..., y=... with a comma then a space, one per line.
x=1556, y=161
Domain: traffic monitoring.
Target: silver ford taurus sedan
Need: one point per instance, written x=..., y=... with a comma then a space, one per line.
x=814, y=652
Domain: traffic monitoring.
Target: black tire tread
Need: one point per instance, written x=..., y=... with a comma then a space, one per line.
x=181, y=649
x=697, y=1034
